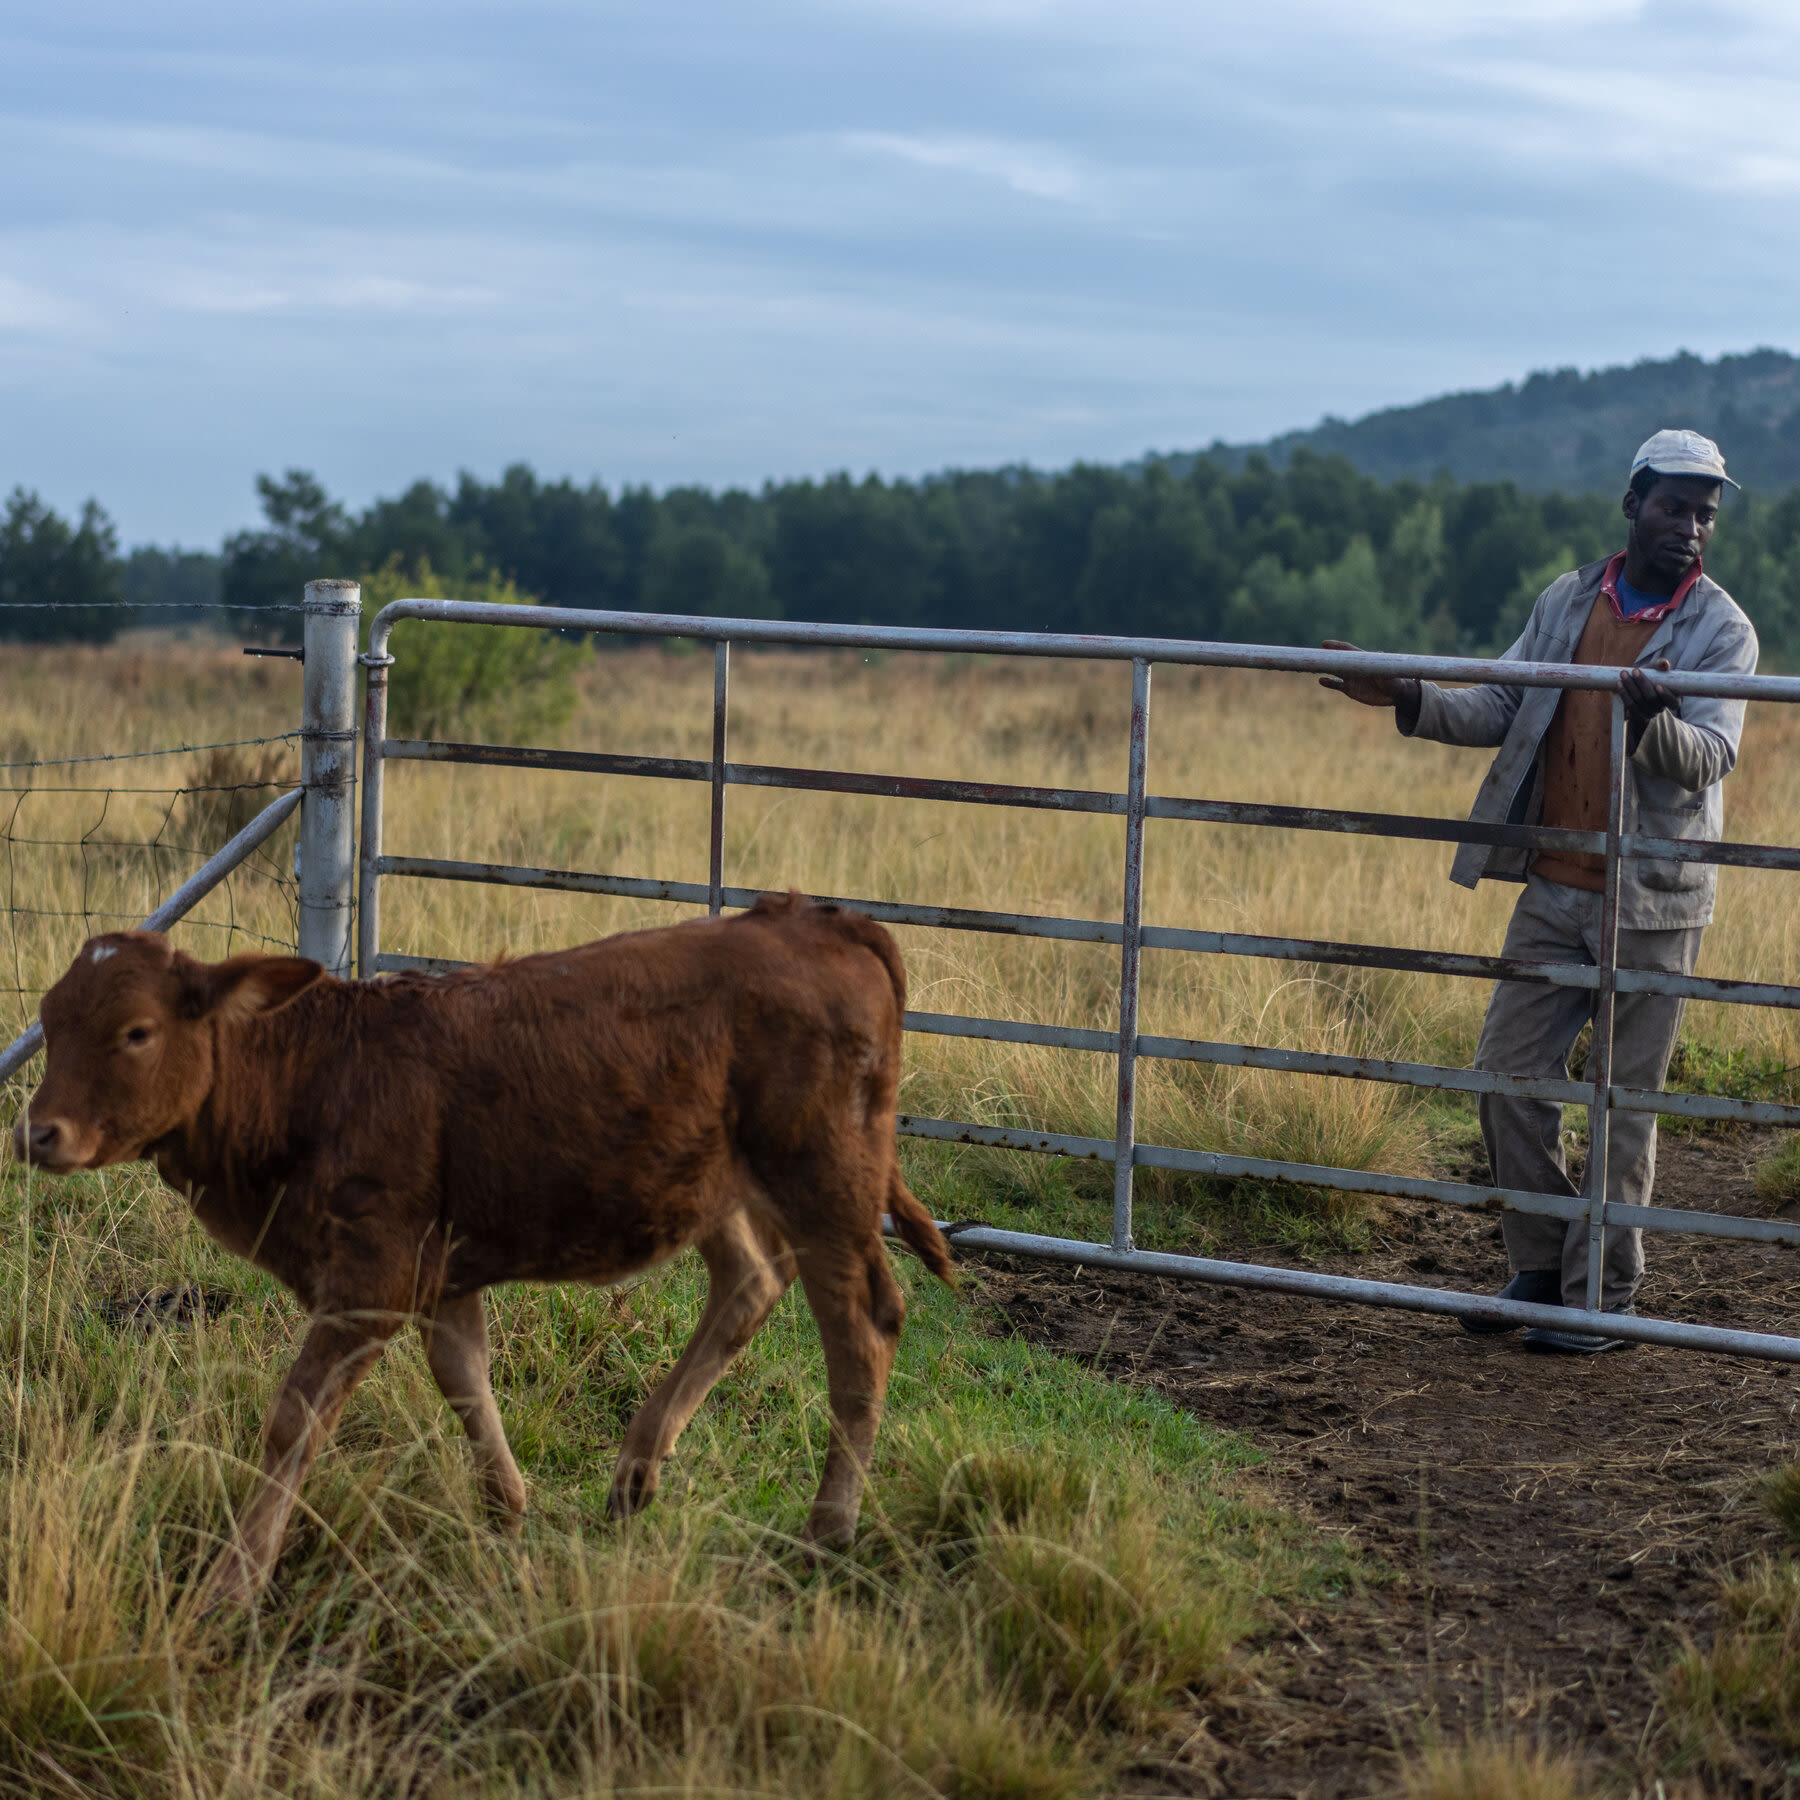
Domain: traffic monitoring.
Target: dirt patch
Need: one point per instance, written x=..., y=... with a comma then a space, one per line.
x=1545, y=1526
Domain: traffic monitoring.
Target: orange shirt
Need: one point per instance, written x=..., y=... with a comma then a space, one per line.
x=1578, y=749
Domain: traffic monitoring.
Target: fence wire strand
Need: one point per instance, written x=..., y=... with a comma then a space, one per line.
x=248, y=613
x=61, y=762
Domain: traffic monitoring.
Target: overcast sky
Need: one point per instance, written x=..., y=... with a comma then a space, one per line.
x=721, y=240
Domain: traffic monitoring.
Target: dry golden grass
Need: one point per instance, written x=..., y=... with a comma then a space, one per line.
x=1215, y=734
x=1493, y=1769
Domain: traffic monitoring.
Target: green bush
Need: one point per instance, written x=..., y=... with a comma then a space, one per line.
x=1779, y=1492
x=484, y=681
x=1778, y=1176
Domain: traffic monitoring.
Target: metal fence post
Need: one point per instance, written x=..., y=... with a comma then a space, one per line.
x=1600, y=1107
x=1137, y=779
x=715, y=878
x=328, y=772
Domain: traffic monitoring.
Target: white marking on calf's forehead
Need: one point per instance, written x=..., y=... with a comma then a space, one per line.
x=103, y=951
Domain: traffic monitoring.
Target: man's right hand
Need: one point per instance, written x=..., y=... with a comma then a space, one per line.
x=1372, y=690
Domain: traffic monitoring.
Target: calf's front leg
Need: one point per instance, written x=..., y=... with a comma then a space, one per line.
x=456, y=1347
x=337, y=1354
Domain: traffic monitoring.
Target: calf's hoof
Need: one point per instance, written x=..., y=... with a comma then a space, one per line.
x=633, y=1488
x=233, y=1584
x=506, y=1522
x=504, y=1515
x=829, y=1531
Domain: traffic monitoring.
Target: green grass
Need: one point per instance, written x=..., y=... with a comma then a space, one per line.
x=1733, y=1705
x=1055, y=1570
x=1069, y=1197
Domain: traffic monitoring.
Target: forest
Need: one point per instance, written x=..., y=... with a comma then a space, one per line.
x=1255, y=555
x=1561, y=430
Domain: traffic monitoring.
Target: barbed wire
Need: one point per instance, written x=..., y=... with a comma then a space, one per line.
x=223, y=787
x=230, y=606
x=60, y=762
x=98, y=913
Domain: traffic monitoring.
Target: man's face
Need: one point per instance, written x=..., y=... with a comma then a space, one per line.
x=1673, y=523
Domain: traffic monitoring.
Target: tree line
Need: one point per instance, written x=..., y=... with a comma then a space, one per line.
x=1255, y=554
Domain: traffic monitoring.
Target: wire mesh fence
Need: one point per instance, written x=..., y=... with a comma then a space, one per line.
x=98, y=853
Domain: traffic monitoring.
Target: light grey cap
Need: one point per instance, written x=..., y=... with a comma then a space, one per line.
x=1681, y=453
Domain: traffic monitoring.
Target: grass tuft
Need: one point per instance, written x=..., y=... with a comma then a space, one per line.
x=1733, y=1706
x=1779, y=1493
x=1494, y=1769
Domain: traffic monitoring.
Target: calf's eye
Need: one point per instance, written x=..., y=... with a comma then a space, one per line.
x=138, y=1036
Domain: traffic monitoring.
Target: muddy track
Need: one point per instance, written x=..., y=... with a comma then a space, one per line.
x=1541, y=1527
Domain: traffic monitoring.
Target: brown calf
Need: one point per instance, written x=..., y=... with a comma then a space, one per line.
x=390, y=1149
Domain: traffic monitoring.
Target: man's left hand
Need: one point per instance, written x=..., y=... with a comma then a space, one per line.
x=1644, y=699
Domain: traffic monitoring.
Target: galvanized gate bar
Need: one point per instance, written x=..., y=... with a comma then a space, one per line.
x=1293, y=1062
x=715, y=856
x=1595, y=1175
x=1305, y=1283
x=1188, y=652
x=1130, y=945
x=527, y=756
x=1356, y=1068
x=1090, y=800
x=1101, y=931
x=376, y=662
x=1606, y=980
x=1467, y=1195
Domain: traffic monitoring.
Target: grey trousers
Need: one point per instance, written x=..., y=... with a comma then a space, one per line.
x=1529, y=1030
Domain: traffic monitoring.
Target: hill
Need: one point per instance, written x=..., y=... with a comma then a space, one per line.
x=1563, y=431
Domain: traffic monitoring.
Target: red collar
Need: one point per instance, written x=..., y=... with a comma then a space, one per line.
x=1609, y=586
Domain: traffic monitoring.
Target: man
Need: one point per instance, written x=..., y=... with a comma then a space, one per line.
x=1650, y=606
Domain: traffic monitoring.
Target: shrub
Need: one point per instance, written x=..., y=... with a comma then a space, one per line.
x=1778, y=1176
x=495, y=681
x=229, y=786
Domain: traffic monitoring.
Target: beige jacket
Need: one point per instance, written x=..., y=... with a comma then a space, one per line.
x=1676, y=769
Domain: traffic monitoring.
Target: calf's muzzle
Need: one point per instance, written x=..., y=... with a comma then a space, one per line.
x=45, y=1143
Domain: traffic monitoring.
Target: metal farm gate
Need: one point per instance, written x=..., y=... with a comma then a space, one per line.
x=1133, y=936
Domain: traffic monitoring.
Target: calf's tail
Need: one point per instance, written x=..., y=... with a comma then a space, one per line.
x=916, y=1228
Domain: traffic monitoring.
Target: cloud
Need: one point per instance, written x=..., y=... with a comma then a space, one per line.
x=230, y=293
x=676, y=240
x=1036, y=170
x=25, y=308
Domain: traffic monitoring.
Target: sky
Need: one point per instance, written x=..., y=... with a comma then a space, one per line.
x=722, y=241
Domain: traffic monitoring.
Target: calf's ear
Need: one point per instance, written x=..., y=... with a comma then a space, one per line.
x=242, y=986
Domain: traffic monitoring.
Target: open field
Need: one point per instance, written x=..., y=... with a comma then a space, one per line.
x=1069, y=1577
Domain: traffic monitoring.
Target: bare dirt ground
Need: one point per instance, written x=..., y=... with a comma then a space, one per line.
x=1542, y=1529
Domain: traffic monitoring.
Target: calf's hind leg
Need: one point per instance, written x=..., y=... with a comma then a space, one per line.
x=748, y=1269
x=456, y=1348
x=859, y=1309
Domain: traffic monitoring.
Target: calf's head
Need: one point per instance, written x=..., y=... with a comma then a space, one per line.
x=131, y=1033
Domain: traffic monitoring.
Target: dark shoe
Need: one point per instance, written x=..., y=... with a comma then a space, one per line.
x=1575, y=1343
x=1537, y=1287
